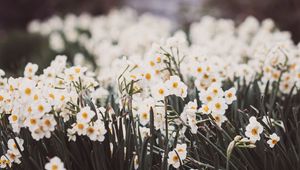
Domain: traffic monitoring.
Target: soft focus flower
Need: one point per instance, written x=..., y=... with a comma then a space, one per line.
x=85, y=115
x=54, y=164
x=274, y=139
x=253, y=129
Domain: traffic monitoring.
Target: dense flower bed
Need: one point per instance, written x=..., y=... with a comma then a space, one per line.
x=218, y=97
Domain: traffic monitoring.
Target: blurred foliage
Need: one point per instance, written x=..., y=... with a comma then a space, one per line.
x=17, y=48
x=17, y=13
x=285, y=13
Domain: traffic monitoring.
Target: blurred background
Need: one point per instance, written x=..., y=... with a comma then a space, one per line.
x=17, y=47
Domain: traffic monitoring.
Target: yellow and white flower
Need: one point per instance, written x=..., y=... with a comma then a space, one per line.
x=159, y=91
x=55, y=164
x=274, y=139
x=27, y=88
x=181, y=150
x=253, y=129
x=230, y=95
x=14, y=147
x=30, y=70
x=174, y=159
x=144, y=115
x=85, y=115
x=218, y=106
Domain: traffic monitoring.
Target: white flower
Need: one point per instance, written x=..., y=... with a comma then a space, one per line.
x=176, y=87
x=174, y=159
x=216, y=90
x=14, y=119
x=80, y=128
x=144, y=115
x=159, y=118
x=230, y=95
x=219, y=118
x=30, y=70
x=274, y=139
x=85, y=115
x=173, y=85
x=48, y=122
x=192, y=122
x=183, y=90
x=13, y=146
x=101, y=131
x=91, y=132
x=198, y=69
x=191, y=108
x=71, y=134
x=78, y=70
x=40, y=108
x=4, y=162
x=159, y=91
x=218, y=106
x=206, y=97
x=55, y=164
x=13, y=156
x=2, y=73
x=56, y=42
x=253, y=129
x=32, y=122
x=205, y=109
x=27, y=87
x=181, y=150
x=149, y=76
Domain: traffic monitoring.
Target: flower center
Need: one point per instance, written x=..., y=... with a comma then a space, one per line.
x=80, y=126
x=148, y=76
x=205, y=108
x=28, y=91
x=199, y=69
x=161, y=91
x=218, y=105
x=47, y=123
x=14, y=118
x=51, y=95
x=54, y=167
x=35, y=97
x=215, y=91
x=77, y=70
x=217, y=118
x=152, y=63
x=175, y=158
x=175, y=85
x=33, y=121
x=145, y=115
x=40, y=108
x=208, y=98
x=91, y=130
x=29, y=109
x=84, y=115
x=254, y=132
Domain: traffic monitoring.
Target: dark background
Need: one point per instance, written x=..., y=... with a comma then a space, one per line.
x=17, y=47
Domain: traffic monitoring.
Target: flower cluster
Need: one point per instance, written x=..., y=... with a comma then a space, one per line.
x=166, y=95
x=13, y=153
x=254, y=129
x=95, y=130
